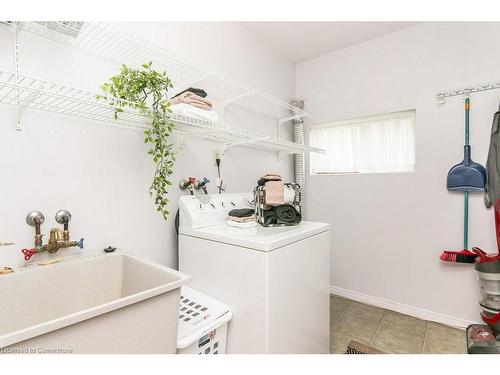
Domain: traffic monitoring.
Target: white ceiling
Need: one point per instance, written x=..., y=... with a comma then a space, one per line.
x=299, y=41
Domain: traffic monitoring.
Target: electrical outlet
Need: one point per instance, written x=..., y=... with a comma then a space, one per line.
x=218, y=155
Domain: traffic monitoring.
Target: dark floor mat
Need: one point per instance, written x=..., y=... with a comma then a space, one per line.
x=355, y=347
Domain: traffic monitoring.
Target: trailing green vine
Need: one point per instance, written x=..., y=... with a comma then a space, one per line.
x=145, y=90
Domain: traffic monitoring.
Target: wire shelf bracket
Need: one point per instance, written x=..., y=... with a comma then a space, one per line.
x=284, y=120
x=21, y=105
x=226, y=146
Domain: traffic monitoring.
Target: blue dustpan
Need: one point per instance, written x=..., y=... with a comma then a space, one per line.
x=467, y=175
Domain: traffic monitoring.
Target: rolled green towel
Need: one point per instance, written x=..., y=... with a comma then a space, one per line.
x=287, y=214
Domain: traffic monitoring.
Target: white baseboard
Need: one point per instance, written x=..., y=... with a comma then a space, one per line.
x=401, y=308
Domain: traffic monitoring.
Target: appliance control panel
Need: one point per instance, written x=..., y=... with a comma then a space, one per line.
x=199, y=211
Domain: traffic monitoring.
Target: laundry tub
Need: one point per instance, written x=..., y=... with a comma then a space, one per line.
x=103, y=303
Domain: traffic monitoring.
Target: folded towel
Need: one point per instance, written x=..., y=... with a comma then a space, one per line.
x=268, y=177
x=192, y=99
x=235, y=224
x=241, y=212
x=282, y=215
x=242, y=219
x=191, y=111
x=274, y=193
x=272, y=177
x=194, y=90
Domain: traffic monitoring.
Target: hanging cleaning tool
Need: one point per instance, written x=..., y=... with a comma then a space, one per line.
x=469, y=177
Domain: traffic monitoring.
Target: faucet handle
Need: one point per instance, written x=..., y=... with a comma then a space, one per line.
x=200, y=184
x=80, y=243
x=63, y=216
x=35, y=218
x=28, y=253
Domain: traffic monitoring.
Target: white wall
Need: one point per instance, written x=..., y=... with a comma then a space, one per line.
x=389, y=229
x=101, y=173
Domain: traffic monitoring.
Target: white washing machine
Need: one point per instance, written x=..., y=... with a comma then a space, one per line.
x=275, y=279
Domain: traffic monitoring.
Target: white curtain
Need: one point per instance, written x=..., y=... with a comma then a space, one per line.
x=378, y=144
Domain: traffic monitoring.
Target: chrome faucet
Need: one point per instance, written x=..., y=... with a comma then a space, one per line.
x=58, y=238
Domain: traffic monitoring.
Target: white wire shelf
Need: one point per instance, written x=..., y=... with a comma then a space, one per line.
x=32, y=93
x=115, y=44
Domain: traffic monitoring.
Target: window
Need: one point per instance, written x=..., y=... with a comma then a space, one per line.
x=375, y=144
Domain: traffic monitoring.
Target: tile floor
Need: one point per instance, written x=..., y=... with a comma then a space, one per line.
x=389, y=331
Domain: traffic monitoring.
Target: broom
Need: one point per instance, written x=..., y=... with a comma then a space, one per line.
x=466, y=176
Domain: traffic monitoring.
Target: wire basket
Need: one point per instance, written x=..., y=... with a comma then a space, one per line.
x=260, y=206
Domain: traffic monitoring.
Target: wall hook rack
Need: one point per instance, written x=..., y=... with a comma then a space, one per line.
x=466, y=91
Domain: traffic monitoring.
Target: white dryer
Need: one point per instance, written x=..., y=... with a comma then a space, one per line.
x=275, y=279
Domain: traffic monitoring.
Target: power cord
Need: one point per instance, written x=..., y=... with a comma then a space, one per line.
x=219, y=180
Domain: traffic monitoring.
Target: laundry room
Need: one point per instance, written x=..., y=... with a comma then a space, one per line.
x=185, y=184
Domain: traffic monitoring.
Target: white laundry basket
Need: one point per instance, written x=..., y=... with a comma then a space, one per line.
x=202, y=323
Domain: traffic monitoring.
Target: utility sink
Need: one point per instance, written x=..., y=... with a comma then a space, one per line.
x=105, y=303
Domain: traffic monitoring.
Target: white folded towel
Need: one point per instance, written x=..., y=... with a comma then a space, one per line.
x=191, y=111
